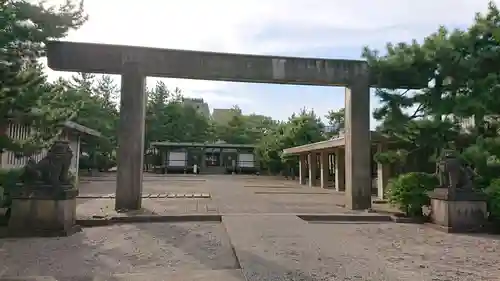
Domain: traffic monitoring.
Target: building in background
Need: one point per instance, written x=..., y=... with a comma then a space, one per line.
x=223, y=115
x=210, y=158
x=219, y=116
x=199, y=104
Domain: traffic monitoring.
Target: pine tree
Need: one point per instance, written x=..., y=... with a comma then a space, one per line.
x=25, y=95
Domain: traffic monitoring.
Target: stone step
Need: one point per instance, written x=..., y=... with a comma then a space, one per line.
x=148, y=196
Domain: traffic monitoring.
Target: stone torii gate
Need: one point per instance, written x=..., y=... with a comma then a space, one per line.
x=134, y=64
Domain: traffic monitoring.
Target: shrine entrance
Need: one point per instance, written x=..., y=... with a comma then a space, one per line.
x=134, y=64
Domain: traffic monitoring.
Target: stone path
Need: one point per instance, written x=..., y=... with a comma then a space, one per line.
x=105, y=208
x=260, y=238
x=280, y=248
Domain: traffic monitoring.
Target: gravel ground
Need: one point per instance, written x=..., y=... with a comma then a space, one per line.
x=121, y=249
x=420, y=252
x=269, y=246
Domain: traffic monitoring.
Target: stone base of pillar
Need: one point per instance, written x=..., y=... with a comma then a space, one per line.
x=458, y=212
x=358, y=202
x=43, y=212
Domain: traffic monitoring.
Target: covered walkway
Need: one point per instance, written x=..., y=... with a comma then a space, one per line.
x=330, y=160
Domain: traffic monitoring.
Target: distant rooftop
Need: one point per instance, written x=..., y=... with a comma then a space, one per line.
x=196, y=144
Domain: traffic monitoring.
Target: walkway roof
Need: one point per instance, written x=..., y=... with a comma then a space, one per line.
x=328, y=144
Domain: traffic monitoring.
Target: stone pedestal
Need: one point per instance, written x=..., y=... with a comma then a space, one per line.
x=458, y=211
x=43, y=212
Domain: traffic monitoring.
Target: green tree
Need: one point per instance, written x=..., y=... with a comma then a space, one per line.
x=25, y=95
x=455, y=74
x=336, y=120
x=235, y=131
x=258, y=126
x=422, y=122
x=270, y=149
x=169, y=119
x=99, y=112
x=302, y=128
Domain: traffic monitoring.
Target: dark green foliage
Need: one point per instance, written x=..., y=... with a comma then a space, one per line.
x=493, y=192
x=336, y=119
x=300, y=129
x=169, y=119
x=409, y=192
x=25, y=95
x=8, y=180
x=456, y=81
x=98, y=111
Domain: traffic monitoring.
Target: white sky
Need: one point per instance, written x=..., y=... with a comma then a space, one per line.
x=289, y=26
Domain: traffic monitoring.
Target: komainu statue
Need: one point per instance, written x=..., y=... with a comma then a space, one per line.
x=53, y=169
x=452, y=174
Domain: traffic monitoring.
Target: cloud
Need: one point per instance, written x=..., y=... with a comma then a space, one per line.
x=231, y=26
x=265, y=27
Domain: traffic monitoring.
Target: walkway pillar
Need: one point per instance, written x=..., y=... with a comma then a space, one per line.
x=383, y=174
x=313, y=168
x=302, y=168
x=130, y=156
x=340, y=169
x=325, y=170
x=357, y=143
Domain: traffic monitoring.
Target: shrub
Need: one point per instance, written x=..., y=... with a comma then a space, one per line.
x=8, y=180
x=2, y=196
x=409, y=192
x=493, y=193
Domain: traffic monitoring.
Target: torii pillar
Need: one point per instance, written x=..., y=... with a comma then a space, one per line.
x=130, y=154
x=358, y=144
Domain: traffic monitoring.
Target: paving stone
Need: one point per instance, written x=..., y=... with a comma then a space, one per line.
x=280, y=248
x=210, y=209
